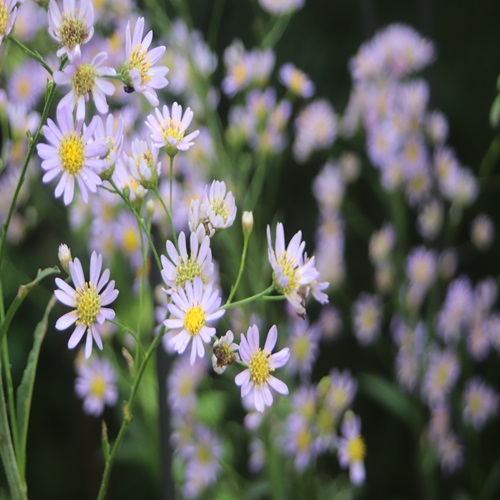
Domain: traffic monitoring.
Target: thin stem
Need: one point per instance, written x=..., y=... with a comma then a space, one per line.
x=127, y=417
x=171, y=185
x=139, y=220
x=167, y=211
x=10, y=399
x=276, y=32
x=253, y=298
x=31, y=53
x=242, y=266
x=215, y=23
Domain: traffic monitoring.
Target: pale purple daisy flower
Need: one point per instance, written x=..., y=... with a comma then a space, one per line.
x=8, y=13
x=450, y=453
x=352, y=449
x=421, y=266
x=73, y=154
x=304, y=345
x=168, y=129
x=367, y=317
x=329, y=187
x=139, y=64
x=111, y=132
x=382, y=243
x=482, y=232
x=191, y=311
x=296, y=80
x=256, y=379
x=281, y=7
x=84, y=78
x=430, y=219
x=480, y=403
x=292, y=273
x=342, y=388
x=95, y=384
x=299, y=442
x=26, y=84
x=143, y=164
x=181, y=266
x=89, y=299
x=72, y=27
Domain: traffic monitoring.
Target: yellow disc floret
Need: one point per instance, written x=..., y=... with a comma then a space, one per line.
x=72, y=31
x=288, y=271
x=84, y=79
x=72, y=153
x=356, y=449
x=194, y=319
x=187, y=271
x=220, y=207
x=259, y=367
x=4, y=17
x=172, y=129
x=98, y=387
x=88, y=304
x=140, y=60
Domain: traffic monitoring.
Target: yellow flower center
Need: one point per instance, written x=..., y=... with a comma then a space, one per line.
x=171, y=129
x=301, y=348
x=297, y=82
x=24, y=86
x=84, y=79
x=72, y=31
x=288, y=270
x=130, y=240
x=220, y=207
x=140, y=60
x=259, y=367
x=187, y=271
x=186, y=386
x=88, y=304
x=72, y=153
x=356, y=449
x=98, y=387
x=475, y=404
x=194, y=319
x=4, y=17
x=239, y=73
x=304, y=439
x=203, y=454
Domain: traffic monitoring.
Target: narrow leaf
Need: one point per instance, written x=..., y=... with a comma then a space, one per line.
x=25, y=389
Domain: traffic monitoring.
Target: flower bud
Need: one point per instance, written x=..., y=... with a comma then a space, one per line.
x=64, y=255
x=150, y=208
x=247, y=222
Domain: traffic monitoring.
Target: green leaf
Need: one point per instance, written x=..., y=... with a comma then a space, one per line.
x=495, y=112
x=391, y=397
x=21, y=295
x=25, y=389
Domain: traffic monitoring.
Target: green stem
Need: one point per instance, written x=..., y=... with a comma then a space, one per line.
x=31, y=53
x=140, y=221
x=7, y=451
x=215, y=23
x=276, y=32
x=242, y=267
x=253, y=298
x=127, y=417
x=11, y=401
x=167, y=211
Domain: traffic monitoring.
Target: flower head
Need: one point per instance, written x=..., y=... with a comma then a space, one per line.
x=257, y=378
x=293, y=273
x=139, y=63
x=71, y=153
x=192, y=309
x=352, y=449
x=72, y=27
x=89, y=299
x=85, y=78
x=169, y=129
x=296, y=80
x=181, y=266
x=224, y=353
x=95, y=384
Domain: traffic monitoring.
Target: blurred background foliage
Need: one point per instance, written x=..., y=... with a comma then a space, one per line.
x=64, y=459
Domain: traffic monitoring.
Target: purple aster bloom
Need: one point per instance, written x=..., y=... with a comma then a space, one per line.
x=89, y=299
x=329, y=187
x=72, y=27
x=480, y=403
x=26, y=84
x=421, y=266
x=352, y=449
x=296, y=80
x=367, y=317
x=192, y=309
x=341, y=391
x=256, y=379
x=450, y=453
x=304, y=346
x=140, y=63
x=84, y=78
x=281, y=7
x=482, y=232
x=95, y=384
x=73, y=154
x=299, y=442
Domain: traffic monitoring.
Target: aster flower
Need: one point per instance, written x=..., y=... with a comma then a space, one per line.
x=26, y=84
x=72, y=27
x=8, y=13
x=480, y=403
x=341, y=388
x=139, y=63
x=292, y=273
x=299, y=442
x=111, y=132
x=180, y=266
x=85, y=78
x=216, y=211
x=143, y=163
x=191, y=311
x=71, y=153
x=281, y=7
x=256, y=379
x=95, y=384
x=296, y=80
x=89, y=299
x=168, y=129
x=304, y=344
x=482, y=232
x=352, y=449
